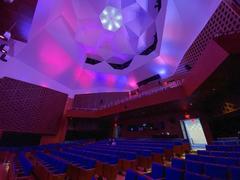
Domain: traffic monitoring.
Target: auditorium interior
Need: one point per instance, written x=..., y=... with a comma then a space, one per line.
x=119, y=90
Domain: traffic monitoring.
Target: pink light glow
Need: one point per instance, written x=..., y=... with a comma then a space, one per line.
x=77, y=73
x=132, y=83
x=110, y=80
x=164, y=59
x=84, y=77
x=55, y=61
x=44, y=85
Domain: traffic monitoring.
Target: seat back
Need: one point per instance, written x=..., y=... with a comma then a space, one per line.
x=216, y=171
x=227, y=161
x=131, y=175
x=195, y=167
x=218, y=153
x=235, y=173
x=174, y=174
x=194, y=176
x=158, y=171
x=178, y=163
x=203, y=152
x=233, y=154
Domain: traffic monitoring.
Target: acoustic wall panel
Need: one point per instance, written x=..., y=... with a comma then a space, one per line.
x=29, y=108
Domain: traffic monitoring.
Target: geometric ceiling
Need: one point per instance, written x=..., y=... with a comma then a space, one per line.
x=65, y=33
x=134, y=34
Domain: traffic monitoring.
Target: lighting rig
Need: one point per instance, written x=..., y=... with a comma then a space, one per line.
x=4, y=47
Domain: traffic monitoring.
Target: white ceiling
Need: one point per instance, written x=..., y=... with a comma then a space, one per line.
x=65, y=32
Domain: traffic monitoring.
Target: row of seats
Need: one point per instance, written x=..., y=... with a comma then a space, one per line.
x=161, y=172
x=21, y=167
x=48, y=167
x=106, y=165
x=82, y=161
x=158, y=147
x=214, y=160
x=139, y=150
x=223, y=148
x=235, y=142
x=227, y=141
x=100, y=156
x=230, y=154
x=142, y=155
x=72, y=159
x=118, y=152
x=214, y=167
x=79, y=167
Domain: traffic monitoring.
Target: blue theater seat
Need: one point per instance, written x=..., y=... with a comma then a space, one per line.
x=158, y=171
x=203, y=152
x=237, y=148
x=226, y=148
x=145, y=153
x=231, y=143
x=27, y=166
x=178, y=163
x=207, y=159
x=227, y=161
x=191, y=157
x=142, y=177
x=174, y=174
x=216, y=171
x=131, y=175
x=233, y=154
x=195, y=167
x=235, y=173
x=212, y=147
x=129, y=156
x=218, y=153
x=194, y=176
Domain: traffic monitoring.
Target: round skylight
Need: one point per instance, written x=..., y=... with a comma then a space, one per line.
x=111, y=18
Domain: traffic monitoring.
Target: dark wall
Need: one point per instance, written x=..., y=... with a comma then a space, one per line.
x=226, y=125
x=89, y=128
x=19, y=139
x=151, y=126
x=29, y=108
x=218, y=98
x=161, y=120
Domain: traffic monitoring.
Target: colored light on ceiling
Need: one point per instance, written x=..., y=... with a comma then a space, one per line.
x=111, y=18
x=162, y=71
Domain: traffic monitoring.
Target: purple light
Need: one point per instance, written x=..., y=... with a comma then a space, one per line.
x=162, y=71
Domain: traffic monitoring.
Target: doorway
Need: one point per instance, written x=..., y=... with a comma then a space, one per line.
x=193, y=131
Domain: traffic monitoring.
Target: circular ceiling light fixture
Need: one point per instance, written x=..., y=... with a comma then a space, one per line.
x=111, y=18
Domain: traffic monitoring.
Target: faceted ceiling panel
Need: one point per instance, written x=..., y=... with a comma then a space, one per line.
x=113, y=34
x=65, y=33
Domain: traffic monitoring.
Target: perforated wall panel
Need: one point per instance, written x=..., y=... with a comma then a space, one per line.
x=224, y=21
x=29, y=108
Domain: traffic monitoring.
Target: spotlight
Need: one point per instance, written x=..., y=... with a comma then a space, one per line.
x=4, y=48
x=6, y=36
x=162, y=71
